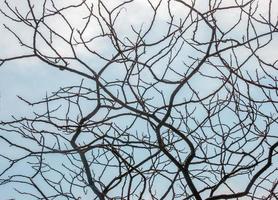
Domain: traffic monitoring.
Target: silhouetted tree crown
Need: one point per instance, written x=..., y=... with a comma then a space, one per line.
x=175, y=99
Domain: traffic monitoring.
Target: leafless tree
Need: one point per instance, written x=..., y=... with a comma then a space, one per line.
x=177, y=100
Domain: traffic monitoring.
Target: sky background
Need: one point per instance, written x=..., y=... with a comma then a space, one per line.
x=32, y=79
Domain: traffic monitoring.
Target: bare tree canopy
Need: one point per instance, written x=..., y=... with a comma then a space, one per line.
x=146, y=99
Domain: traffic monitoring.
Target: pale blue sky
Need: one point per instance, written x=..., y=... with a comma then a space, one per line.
x=32, y=79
